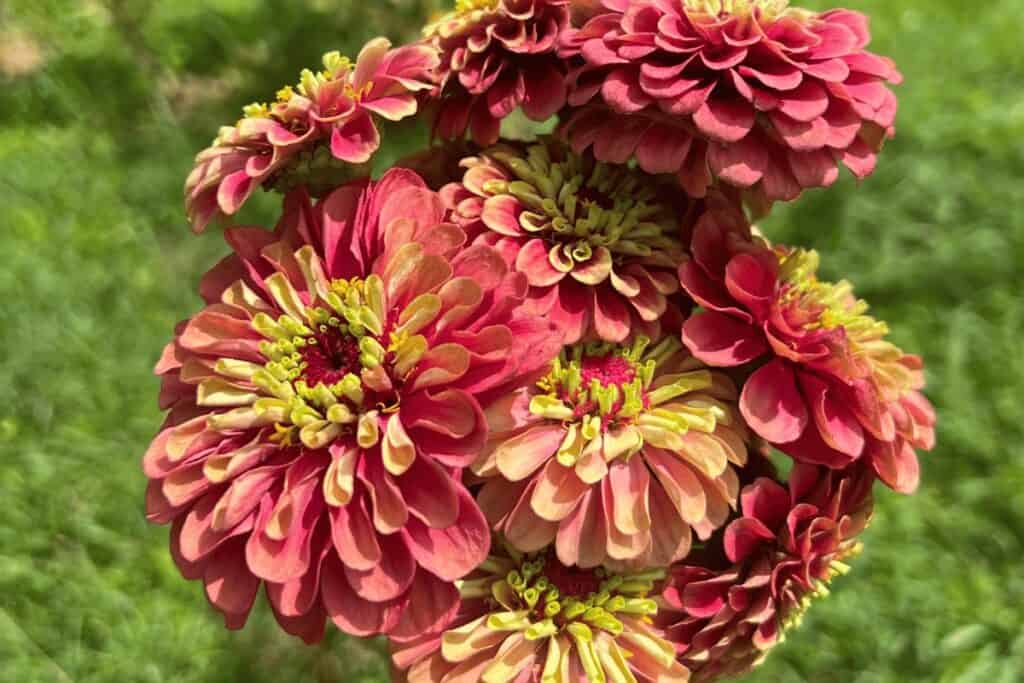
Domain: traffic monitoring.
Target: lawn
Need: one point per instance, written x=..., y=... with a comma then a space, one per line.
x=103, y=104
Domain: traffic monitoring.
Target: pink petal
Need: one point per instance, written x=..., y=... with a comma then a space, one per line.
x=356, y=140
x=722, y=340
x=390, y=577
x=532, y=261
x=725, y=120
x=453, y=552
x=772, y=405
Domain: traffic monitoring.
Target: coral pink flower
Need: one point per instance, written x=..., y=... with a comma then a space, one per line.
x=313, y=134
x=598, y=244
x=832, y=389
x=784, y=550
x=323, y=404
x=526, y=618
x=751, y=92
x=497, y=55
x=614, y=456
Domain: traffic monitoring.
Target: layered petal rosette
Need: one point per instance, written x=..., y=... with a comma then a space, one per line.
x=497, y=55
x=598, y=244
x=313, y=134
x=614, y=456
x=323, y=404
x=527, y=618
x=784, y=550
x=753, y=93
x=829, y=388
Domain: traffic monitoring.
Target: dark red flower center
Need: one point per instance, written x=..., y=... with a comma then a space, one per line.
x=334, y=355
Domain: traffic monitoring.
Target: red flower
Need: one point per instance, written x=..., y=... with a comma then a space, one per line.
x=313, y=136
x=598, y=244
x=526, y=618
x=497, y=55
x=833, y=389
x=784, y=550
x=750, y=92
x=614, y=456
x=323, y=404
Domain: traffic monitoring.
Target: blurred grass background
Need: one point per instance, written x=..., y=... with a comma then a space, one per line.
x=102, y=106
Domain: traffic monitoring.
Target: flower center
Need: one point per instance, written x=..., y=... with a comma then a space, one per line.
x=599, y=380
x=469, y=6
x=543, y=597
x=767, y=10
x=327, y=371
x=580, y=205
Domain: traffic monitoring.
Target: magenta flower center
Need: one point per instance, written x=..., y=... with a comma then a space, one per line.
x=333, y=356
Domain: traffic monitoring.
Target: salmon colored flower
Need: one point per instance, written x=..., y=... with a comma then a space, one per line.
x=316, y=135
x=784, y=551
x=526, y=618
x=323, y=404
x=497, y=55
x=755, y=93
x=830, y=389
x=599, y=244
x=614, y=456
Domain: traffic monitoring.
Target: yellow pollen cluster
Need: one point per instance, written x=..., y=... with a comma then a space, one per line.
x=580, y=205
x=336, y=66
x=767, y=10
x=837, y=305
x=469, y=6
x=537, y=607
x=616, y=398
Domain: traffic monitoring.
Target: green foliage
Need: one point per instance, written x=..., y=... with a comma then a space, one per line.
x=98, y=265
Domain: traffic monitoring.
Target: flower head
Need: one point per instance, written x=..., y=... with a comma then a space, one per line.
x=614, y=455
x=597, y=243
x=527, y=618
x=497, y=55
x=784, y=551
x=833, y=389
x=323, y=404
x=754, y=93
x=316, y=134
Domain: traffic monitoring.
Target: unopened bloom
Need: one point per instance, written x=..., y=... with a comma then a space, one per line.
x=526, y=618
x=829, y=387
x=497, y=55
x=323, y=403
x=599, y=244
x=784, y=550
x=754, y=93
x=316, y=134
x=614, y=455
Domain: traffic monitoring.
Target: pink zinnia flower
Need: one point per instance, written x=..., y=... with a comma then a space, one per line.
x=497, y=55
x=784, y=551
x=614, y=455
x=751, y=92
x=829, y=388
x=323, y=404
x=313, y=134
x=526, y=618
x=599, y=244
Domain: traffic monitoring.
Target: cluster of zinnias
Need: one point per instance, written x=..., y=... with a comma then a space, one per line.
x=513, y=404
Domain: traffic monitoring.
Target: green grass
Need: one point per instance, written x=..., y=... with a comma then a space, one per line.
x=98, y=265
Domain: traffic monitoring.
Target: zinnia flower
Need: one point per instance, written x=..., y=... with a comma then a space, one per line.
x=530, y=619
x=497, y=55
x=751, y=92
x=785, y=550
x=614, y=455
x=323, y=404
x=598, y=244
x=832, y=389
x=313, y=134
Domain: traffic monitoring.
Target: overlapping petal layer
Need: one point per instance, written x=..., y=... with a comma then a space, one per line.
x=614, y=456
x=316, y=135
x=526, y=618
x=827, y=386
x=783, y=551
x=323, y=404
x=496, y=56
x=752, y=93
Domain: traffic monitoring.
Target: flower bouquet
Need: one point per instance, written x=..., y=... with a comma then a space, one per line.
x=540, y=407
